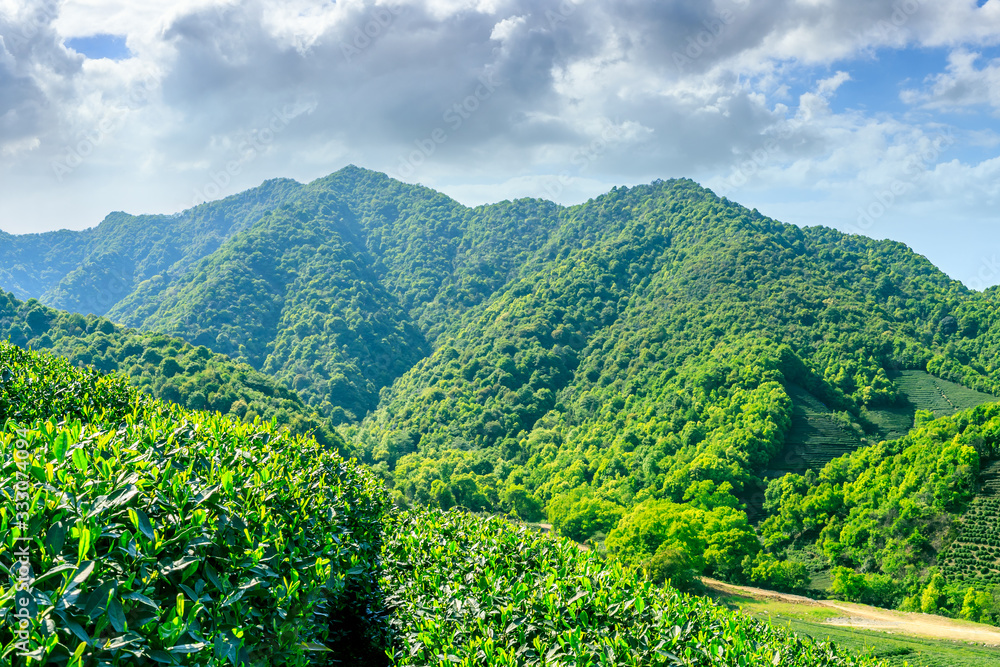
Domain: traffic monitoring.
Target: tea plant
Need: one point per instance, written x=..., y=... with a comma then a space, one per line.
x=974, y=557
x=162, y=536
x=467, y=590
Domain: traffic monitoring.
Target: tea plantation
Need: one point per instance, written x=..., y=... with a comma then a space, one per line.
x=154, y=535
x=815, y=439
x=472, y=591
x=927, y=392
x=161, y=536
x=974, y=556
x=819, y=435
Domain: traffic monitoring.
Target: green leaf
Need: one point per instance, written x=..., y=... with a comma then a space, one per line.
x=188, y=648
x=141, y=599
x=55, y=538
x=60, y=445
x=77, y=630
x=54, y=571
x=116, y=614
x=141, y=522
x=227, y=481
x=80, y=460
x=97, y=602
x=83, y=572
x=120, y=497
x=214, y=577
x=83, y=548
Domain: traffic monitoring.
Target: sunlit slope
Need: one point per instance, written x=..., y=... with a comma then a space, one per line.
x=157, y=535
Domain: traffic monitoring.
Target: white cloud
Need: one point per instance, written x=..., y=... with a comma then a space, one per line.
x=503, y=30
x=580, y=94
x=962, y=85
x=827, y=87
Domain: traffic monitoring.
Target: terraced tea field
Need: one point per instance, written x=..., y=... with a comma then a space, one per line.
x=923, y=391
x=893, y=422
x=974, y=556
x=943, y=398
x=815, y=438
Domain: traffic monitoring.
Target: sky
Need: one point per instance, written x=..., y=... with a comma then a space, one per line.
x=875, y=117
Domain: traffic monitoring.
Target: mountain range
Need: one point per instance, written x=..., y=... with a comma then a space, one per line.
x=654, y=344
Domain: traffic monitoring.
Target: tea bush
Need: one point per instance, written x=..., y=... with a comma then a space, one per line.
x=470, y=591
x=161, y=536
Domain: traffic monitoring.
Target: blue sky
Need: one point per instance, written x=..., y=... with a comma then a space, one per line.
x=100, y=46
x=875, y=117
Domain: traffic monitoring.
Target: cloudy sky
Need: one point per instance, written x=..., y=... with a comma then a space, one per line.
x=870, y=116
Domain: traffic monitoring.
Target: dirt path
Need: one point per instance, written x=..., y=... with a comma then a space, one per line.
x=873, y=618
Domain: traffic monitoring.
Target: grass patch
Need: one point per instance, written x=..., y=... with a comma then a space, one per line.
x=894, y=650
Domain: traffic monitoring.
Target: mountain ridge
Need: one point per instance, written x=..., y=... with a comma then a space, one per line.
x=570, y=363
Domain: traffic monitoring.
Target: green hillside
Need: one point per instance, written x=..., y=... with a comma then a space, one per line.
x=161, y=536
x=595, y=366
x=908, y=523
x=163, y=366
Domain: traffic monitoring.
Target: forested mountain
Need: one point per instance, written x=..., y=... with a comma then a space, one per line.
x=654, y=352
x=163, y=366
x=336, y=288
x=89, y=271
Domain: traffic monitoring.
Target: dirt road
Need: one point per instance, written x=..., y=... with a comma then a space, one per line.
x=873, y=618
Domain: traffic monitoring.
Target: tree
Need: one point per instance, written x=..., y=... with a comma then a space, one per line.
x=933, y=595
x=579, y=515
x=519, y=500
x=671, y=564
x=976, y=606
x=646, y=527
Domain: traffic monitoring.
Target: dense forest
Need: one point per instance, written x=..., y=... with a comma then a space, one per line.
x=641, y=370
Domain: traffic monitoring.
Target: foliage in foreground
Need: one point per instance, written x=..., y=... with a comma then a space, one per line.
x=162, y=536
x=468, y=590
